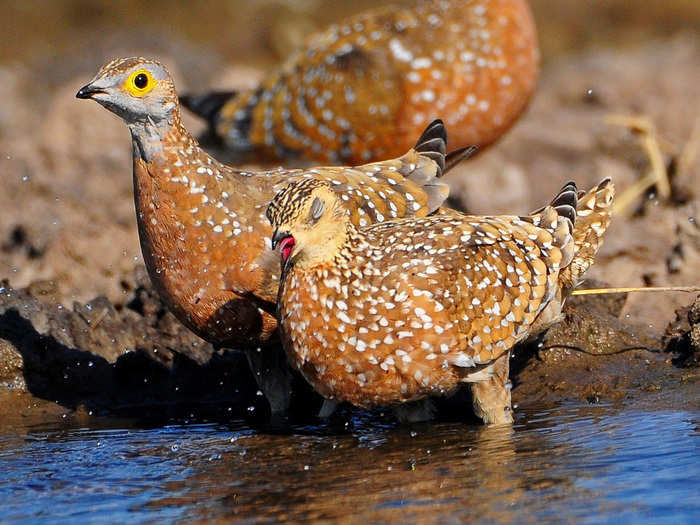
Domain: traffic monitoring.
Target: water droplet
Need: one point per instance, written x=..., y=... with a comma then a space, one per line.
x=90, y=364
x=25, y=178
x=306, y=467
x=259, y=393
x=174, y=447
x=691, y=220
x=413, y=433
x=251, y=409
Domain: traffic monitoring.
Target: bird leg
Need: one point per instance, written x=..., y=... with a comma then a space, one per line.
x=491, y=397
x=273, y=375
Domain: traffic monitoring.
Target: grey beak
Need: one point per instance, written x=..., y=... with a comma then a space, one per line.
x=277, y=237
x=88, y=91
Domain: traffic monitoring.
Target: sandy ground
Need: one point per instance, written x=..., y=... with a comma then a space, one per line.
x=68, y=232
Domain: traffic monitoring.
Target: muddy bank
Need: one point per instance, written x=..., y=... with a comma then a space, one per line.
x=136, y=360
x=97, y=358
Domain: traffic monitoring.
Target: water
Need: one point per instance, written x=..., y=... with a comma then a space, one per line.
x=577, y=463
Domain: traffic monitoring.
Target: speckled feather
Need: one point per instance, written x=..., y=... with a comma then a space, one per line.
x=411, y=308
x=202, y=224
x=364, y=89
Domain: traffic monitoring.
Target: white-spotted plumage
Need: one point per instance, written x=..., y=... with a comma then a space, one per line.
x=428, y=303
x=365, y=88
x=202, y=225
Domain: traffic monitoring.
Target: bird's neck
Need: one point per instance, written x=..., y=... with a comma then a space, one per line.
x=153, y=138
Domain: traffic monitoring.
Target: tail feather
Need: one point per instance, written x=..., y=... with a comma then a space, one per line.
x=433, y=144
x=423, y=165
x=456, y=156
x=593, y=215
x=207, y=106
x=564, y=204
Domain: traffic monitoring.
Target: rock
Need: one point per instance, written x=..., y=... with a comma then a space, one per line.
x=682, y=336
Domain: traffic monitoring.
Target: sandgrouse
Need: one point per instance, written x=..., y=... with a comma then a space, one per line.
x=405, y=309
x=363, y=90
x=202, y=226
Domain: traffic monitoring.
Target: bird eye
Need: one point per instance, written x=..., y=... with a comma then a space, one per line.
x=141, y=80
x=316, y=210
x=139, y=83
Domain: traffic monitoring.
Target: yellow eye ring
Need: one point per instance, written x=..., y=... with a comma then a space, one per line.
x=139, y=83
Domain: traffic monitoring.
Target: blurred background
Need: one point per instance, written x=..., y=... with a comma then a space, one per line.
x=66, y=212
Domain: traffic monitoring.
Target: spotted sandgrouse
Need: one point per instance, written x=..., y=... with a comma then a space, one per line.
x=364, y=89
x=405, y=309
x=202, y=225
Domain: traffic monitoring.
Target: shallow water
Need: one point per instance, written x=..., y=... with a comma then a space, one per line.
x=577, y=463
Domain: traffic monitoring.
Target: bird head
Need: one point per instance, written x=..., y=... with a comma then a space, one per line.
x=309, y=222
x=136, y=89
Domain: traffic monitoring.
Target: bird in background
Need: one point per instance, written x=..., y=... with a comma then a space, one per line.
x=202, y=225
x=395, y=312
x=363, y=89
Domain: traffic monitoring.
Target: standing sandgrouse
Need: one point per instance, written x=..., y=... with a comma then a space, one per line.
x=202, y=225
x=363, y=90
x=406, y=309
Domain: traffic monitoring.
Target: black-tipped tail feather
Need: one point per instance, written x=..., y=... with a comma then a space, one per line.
x=566, y=201
x=208, y=105
x=433, y=144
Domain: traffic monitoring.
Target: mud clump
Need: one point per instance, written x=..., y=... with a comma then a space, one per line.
x=118, y=361
x=591, y=355
x=682, y=337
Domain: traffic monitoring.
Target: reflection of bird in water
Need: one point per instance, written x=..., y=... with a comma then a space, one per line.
x=364, y=89
x=204, y=235
x=405, y=309
x=442, y=473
